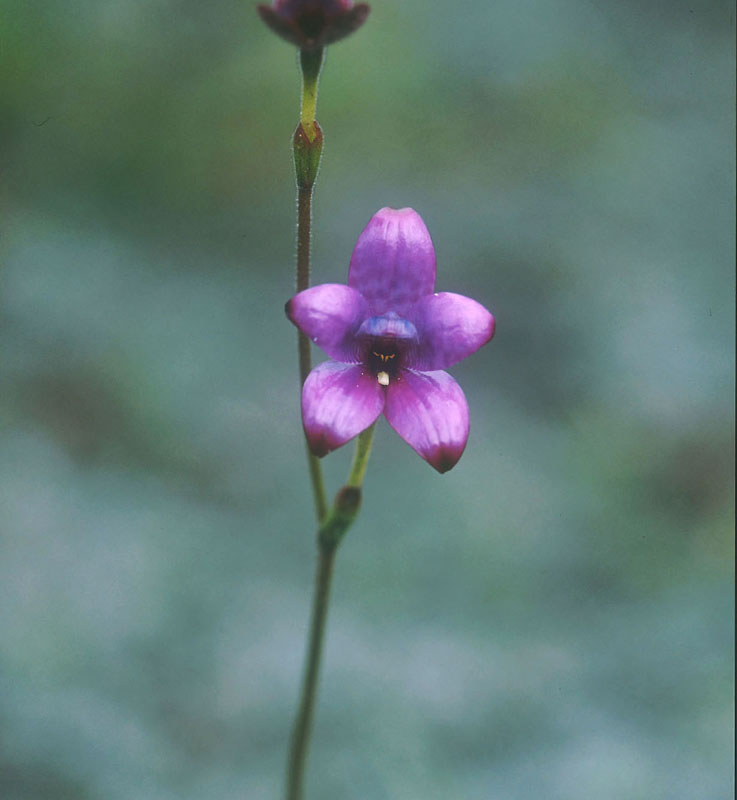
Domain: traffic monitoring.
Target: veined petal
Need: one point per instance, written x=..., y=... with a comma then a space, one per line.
x=393, y=262
x=330, y=314
x=450, y=328
x=338, y=402
x=429, y=411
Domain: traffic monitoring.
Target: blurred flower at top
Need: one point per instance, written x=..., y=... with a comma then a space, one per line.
x=391, y=337
x=310, y=24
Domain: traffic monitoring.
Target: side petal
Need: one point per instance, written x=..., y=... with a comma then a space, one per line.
x=450, y=327
x=338, y=402
x=393, y=262
x=429, y=411
x=330, y=314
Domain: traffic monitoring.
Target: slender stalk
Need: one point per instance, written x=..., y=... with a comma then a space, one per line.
x=360, y=458
x=303, y=721
x=304, y=223
x=310, y=62
x=333, y=523
x=304, y=237
x=330, y=534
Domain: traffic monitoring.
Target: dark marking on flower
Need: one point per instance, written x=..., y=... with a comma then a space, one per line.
x=444, y=459
x=320, y=446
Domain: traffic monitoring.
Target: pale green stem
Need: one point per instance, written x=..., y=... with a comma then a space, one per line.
x=360, y=458
x=310, y=64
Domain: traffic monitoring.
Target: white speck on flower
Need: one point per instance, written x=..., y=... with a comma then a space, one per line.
x=383, y=378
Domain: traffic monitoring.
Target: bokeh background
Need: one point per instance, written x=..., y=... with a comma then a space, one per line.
x=553, y=618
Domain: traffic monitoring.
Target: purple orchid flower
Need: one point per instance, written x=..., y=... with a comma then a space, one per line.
x=390, y=337
x=310, y=24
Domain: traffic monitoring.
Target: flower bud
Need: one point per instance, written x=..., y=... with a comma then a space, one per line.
x=311, y=24
x=307, y=145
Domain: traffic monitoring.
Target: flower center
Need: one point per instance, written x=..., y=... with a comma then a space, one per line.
x=385, y=341
x=383, y=359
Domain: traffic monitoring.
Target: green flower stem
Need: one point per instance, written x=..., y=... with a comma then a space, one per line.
x=330, y=533
x=361, y=457
x=334, y=523
x=303, y=722
x=304, y=222
x=311, y=64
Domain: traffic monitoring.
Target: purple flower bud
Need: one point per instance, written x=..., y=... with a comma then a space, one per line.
x=311, y=24
x=391, y=336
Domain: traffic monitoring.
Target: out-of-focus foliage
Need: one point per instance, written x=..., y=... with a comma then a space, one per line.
x=553, y=618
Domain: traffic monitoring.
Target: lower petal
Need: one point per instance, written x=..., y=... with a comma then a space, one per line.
x=429, y=411
x=338, y=402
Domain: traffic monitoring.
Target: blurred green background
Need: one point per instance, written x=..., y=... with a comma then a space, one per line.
x=553, y=618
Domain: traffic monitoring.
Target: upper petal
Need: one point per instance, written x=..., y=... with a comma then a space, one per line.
x=450, y=328
x=393, y=262
x=338, y=402
x=330, y=314
x=429, y=411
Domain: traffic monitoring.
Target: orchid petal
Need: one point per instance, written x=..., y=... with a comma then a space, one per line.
x=393, y=262
x=330, y=314
x=429, y=411
x=450, y=327
x=338, y=402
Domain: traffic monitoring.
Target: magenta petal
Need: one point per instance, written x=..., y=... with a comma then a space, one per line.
x=330, y=315
x=429, y=411
x=450, y=328
x=393, y=262
x=338, y=402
